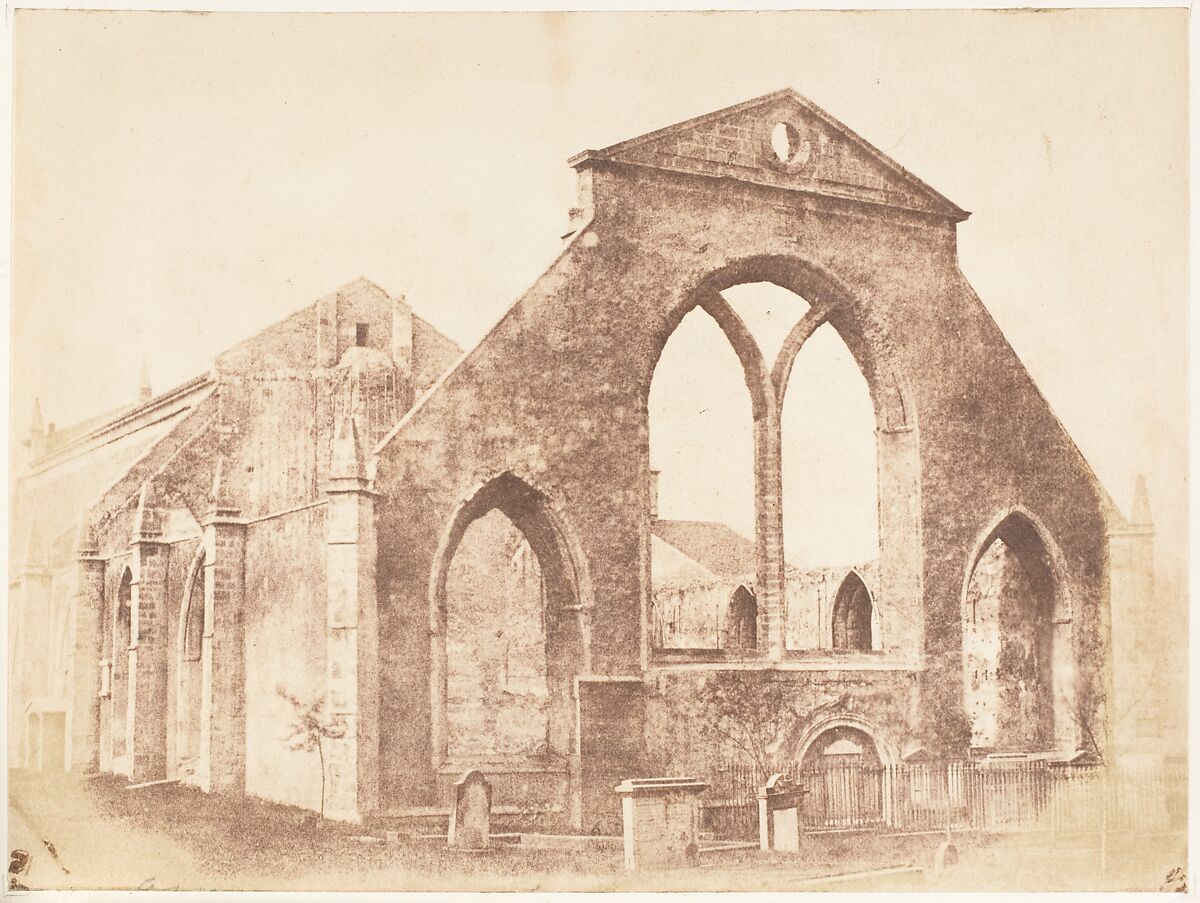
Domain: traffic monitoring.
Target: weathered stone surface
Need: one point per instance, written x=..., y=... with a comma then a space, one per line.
x=471, y=812
x=661, y=821
x=332, y=512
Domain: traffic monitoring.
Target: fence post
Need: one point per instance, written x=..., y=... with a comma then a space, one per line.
x=946, y=800
x=1104, y=819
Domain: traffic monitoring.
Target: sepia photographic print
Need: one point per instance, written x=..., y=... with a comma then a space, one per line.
x=598, y=451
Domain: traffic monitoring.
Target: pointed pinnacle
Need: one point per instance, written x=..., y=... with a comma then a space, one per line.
x=346, y=460
x=1141, y=502
x=35, y=422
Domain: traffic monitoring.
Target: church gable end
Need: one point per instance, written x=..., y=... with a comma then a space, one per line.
x=785, y=141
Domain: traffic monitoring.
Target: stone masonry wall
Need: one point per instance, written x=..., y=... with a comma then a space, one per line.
x=557, y=394
x=285, y=616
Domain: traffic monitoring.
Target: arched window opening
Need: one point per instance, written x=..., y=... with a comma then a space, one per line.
x=1009, y=642
x=510, y=602
x=852, y=616
x=702, y=501
x=741, y=623
x=830, y=458
x=495, y=644
x=121, y=642
x=828, y=453
x=189, y=667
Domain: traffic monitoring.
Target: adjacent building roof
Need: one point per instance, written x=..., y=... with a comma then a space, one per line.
x=72, y=467
x=714, y=546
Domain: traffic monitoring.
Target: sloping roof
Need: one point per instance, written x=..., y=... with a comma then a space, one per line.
x=670, y=567
x=83, y=461
x=734, y=143
x=63, y=485
x=714, y=546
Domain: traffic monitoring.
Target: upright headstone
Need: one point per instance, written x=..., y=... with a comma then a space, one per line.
x=779, y=815
x=471, y=813
x=661, y=819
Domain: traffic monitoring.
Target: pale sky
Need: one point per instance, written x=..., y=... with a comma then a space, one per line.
x=182, y=180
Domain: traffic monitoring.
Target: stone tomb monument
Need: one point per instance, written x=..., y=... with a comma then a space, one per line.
x=661, y=818
x=471, y=812
x=779, y=815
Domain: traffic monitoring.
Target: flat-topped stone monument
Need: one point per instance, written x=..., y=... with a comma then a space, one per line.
x=661, y=818
x=779, y=821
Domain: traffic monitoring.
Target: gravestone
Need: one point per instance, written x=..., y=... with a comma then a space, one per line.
x=779, y=815
x=661, y=818
x=471, y=812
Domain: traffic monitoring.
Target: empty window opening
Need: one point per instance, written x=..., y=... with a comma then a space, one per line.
x=787, y=144
x=702, y=442
x=188, y=668
x=120, y=667
x=830, y=458
x=769, y=312
x=852, y=616
x=361, y=332
x=741, y=623
x=1008, y=643
x=496, y=687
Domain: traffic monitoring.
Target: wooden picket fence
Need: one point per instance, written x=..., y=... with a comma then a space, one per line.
x=962, y=796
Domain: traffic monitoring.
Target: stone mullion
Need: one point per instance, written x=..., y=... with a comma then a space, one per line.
x=769, y=593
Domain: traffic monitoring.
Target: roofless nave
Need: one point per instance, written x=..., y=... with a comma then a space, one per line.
x=315, y=514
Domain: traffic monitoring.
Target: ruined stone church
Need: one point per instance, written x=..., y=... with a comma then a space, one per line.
x=456, y=552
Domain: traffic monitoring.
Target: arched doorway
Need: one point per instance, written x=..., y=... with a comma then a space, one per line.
x=119, y=683
x=852, y=615
x=843, y=774
x=188, y=668
x=1017, y=665
x=510, y=602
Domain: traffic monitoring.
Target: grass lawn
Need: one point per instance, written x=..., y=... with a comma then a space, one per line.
x=171, y=837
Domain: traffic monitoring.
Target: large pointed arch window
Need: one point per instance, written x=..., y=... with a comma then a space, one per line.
x=702, y=493
x=189, y=672
x=495, y=643
x=808, y=506
x=828, y=455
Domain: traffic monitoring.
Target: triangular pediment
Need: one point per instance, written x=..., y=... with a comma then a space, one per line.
x=785, y=141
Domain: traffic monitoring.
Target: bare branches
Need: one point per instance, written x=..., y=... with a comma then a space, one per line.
x=745, y=712
x=310, y=728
